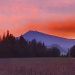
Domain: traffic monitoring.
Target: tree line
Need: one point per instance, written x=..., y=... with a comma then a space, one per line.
x=12, y=47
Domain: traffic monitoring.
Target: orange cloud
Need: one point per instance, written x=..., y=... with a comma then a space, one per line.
x=64, y=26
x=59, y=28
x=64, y=29
x=15, y=14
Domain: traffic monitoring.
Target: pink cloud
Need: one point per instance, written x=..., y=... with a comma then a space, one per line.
x=15, y=14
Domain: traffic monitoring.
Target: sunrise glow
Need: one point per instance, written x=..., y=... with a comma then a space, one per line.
x=55, y=17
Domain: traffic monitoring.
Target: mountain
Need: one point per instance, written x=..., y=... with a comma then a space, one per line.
x=50, y=40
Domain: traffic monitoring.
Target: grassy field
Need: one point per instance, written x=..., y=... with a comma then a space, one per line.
x=37, y=66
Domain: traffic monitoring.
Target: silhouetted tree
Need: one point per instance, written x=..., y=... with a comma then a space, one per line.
x=7, y=45
x=71, y=52
x=13, y=47
x=23, y=47
x=32, y=48
x=41, y=50
x=53, y=52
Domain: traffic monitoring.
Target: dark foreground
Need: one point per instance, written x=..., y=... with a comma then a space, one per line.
x=37, y=66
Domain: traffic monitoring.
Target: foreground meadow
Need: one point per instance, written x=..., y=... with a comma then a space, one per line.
x=37, y=66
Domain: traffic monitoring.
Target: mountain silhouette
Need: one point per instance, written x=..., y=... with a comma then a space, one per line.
x=50, y=40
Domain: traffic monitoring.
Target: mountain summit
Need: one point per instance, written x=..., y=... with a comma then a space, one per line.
x=50, y=40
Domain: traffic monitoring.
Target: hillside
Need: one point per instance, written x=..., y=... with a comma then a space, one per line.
x=50, y=40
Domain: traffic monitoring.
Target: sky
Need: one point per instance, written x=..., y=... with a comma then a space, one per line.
x=56, y=17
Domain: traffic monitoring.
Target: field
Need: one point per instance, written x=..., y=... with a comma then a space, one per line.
x=37, y=66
